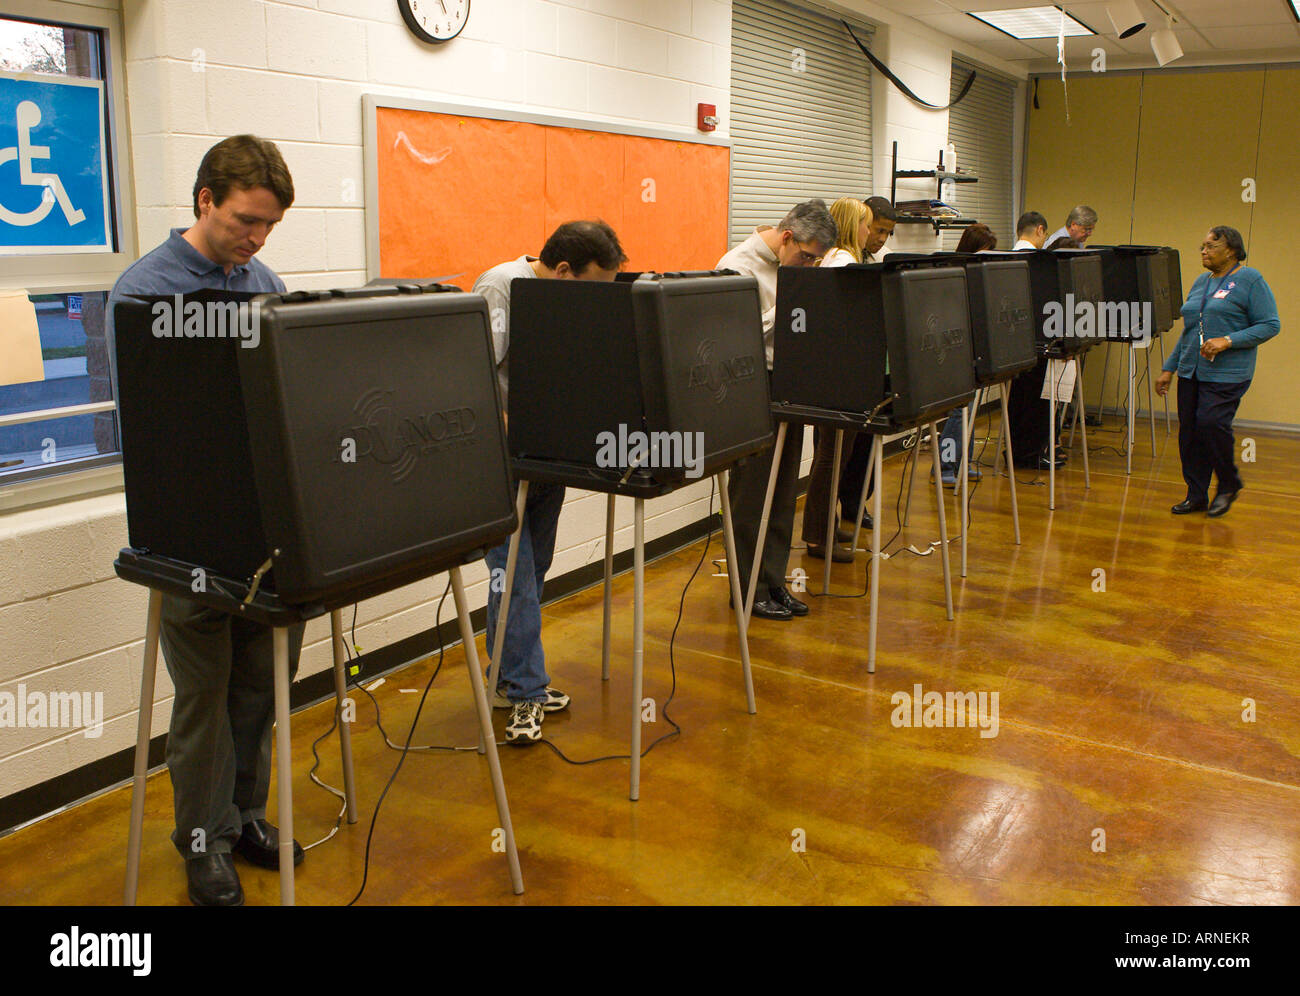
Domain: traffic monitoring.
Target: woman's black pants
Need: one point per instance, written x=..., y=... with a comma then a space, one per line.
x=1205, y=443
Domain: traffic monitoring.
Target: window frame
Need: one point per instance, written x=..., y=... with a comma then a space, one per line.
x=63, y=273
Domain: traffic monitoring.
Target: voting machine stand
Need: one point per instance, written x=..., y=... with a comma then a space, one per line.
x=247, y=441
x=836, y=329
x=656, y=354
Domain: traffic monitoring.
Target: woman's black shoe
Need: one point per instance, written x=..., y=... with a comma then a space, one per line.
x=1222, y=502
x=1187, y=506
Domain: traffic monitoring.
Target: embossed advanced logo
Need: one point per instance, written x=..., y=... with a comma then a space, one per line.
x=1009, y=318
x=397, y=438
x=716, y=375
x=940, y=341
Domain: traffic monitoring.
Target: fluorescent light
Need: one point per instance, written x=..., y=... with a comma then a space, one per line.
x=1033, y=22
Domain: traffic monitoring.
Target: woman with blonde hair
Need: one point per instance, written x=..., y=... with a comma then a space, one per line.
x=852, y=221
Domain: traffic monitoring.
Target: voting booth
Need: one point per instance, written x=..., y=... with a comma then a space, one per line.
x=836, y=330
x=1144, y=295
x=1003, y=336
x=333, y=446
x=635, y=387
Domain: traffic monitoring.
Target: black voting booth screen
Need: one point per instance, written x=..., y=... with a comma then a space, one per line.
x=1001, y=314
x=1137, y=286
x=1062, y=279
x=835, y=327
x=361, y=439
x=670, y=354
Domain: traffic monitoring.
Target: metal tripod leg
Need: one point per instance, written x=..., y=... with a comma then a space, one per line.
x=503, y=614
x=742, y=630
x=1004, y=440
x=1132, y=411
x=283, y=762
x=943, y=520
x=144, y=727
x=964, y=470
x=1087, y=477
x=345, y=729
x=638, y=641
x=485, y=728
x=877, y=448
x=609, y=585
x=762, y=523
x=833, y=501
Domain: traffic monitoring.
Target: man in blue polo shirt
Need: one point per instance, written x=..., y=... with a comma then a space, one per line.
x=219, y=743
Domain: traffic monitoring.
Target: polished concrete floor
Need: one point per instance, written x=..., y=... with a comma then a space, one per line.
x=1147, y=746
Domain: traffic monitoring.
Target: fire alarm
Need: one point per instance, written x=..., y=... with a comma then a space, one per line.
x=707, y=119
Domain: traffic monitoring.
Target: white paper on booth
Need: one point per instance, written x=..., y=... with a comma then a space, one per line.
x=20, y=339
x=1061, y=373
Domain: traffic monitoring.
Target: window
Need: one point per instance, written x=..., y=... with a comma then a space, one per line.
x=65, y=420
x=800, y=112
x=982, y=129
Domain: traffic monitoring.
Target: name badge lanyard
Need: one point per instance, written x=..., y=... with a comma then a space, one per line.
x=1205, y=296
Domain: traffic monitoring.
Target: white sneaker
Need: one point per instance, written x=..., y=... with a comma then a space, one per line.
x=525, y=726
x=555, y=700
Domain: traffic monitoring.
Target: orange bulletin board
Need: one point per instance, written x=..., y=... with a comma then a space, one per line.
x=452, y=193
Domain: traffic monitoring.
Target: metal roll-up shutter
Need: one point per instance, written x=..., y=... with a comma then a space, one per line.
x=981, y=129
x=799, y=128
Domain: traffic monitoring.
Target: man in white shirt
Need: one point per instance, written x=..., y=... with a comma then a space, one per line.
x=804, y=235
x=883, y=220
x=576, y=250
x=1031, y=231
x=1078, y=226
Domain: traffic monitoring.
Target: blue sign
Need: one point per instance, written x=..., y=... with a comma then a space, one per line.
x=53, y=175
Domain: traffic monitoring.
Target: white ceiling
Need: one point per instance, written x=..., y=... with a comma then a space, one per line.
x=1215, y=31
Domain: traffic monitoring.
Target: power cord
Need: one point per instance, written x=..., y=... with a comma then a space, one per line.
x=437, y=621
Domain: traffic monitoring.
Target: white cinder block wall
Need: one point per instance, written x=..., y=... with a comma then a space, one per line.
x=294, y=71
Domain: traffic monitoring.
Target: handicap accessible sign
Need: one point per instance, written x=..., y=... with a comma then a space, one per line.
x=53, y=175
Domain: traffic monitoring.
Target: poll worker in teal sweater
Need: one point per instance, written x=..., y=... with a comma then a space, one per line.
x=1228, y=312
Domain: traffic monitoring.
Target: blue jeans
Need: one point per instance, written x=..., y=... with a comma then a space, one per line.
x=523, y=675
x=950, y=439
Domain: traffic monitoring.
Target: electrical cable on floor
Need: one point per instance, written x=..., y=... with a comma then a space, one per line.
x=365, y=871
x=672, y=664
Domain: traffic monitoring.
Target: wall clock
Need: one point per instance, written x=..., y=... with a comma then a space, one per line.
x=435, y=20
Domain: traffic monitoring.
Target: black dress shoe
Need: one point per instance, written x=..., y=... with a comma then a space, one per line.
x=1222, y=502
x=867, y=521
x=768, y=609
x=259, y=844
x=839, y=555
x=213, y=881
x=1187, y=506
x=1046, y=464
x=843, y=534
x=792, y=604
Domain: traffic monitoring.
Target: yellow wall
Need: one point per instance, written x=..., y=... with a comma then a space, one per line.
x=1162, y=156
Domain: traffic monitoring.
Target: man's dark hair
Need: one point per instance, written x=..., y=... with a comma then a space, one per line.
x=243, y=162
x=1029, y=221
x=1232, y=238
x=882, y=208
x=581, y=243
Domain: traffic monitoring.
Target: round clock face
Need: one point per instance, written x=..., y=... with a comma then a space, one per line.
x=435, y=20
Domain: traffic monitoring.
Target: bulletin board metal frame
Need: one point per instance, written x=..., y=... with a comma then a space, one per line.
x=372, y=104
